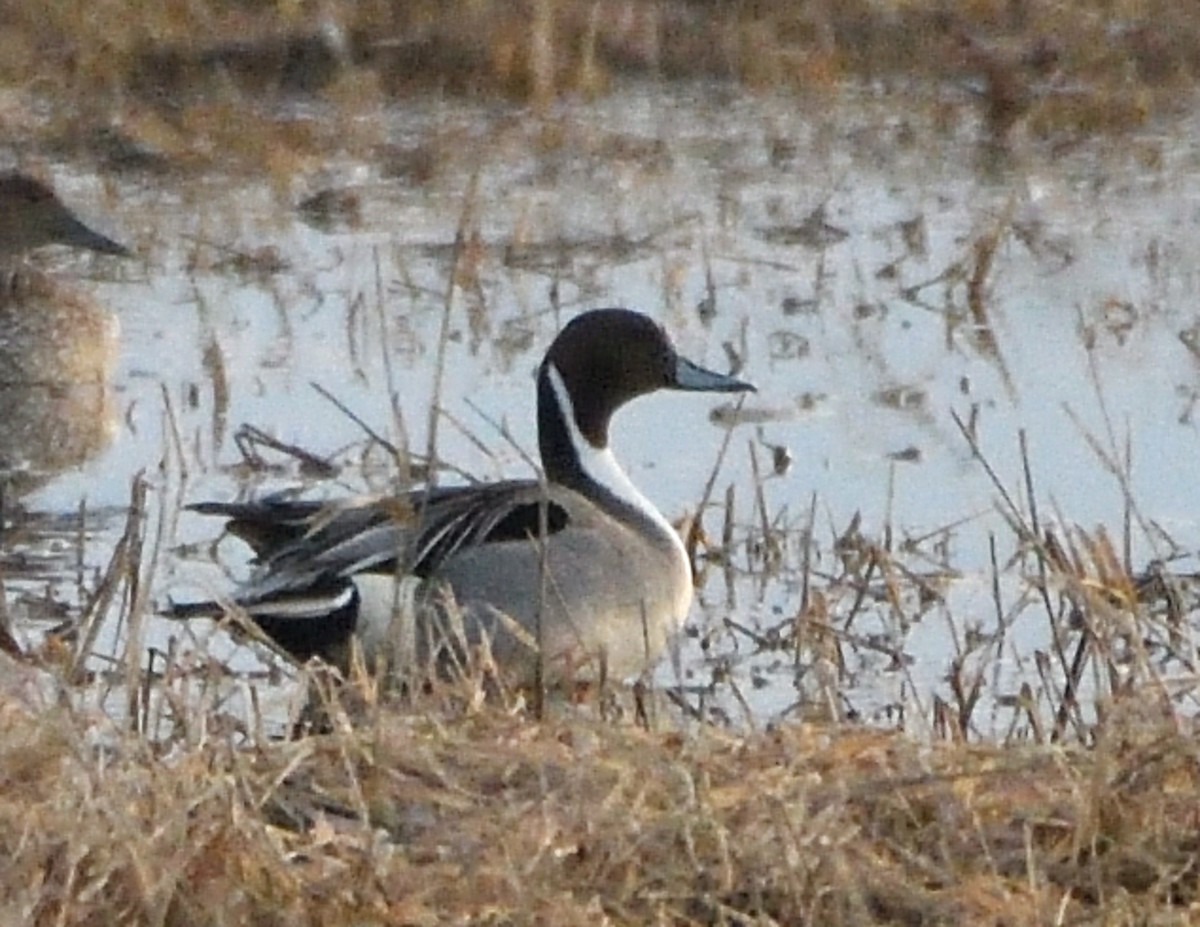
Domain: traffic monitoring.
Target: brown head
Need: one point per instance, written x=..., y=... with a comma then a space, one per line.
x=31, y=216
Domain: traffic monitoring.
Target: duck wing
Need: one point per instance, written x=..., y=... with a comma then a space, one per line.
x=302, y=546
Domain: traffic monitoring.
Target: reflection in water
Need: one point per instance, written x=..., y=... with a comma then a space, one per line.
x=919, y=290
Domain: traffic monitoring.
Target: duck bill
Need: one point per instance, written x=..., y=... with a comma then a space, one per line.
x=73, y=232
x=693, y=377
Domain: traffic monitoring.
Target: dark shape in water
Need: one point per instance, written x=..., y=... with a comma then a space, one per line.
x=58, y=347
x=330, y=210
x=31, y=216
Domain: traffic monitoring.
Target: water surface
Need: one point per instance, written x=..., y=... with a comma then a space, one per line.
x=875, y=273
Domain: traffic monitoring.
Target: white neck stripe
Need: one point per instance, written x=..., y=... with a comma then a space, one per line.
x=601, y=466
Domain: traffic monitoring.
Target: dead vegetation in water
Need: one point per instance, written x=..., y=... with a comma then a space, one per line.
x=451, y=807
x=1065, y=622
x=464, y=811
x=153, y=87
x=479, y=815
x=177, y=808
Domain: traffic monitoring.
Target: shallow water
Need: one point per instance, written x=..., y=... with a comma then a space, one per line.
x=827, y=247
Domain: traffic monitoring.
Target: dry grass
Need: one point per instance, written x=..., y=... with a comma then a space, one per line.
x=186, y=85
x=451, y=807
x=483, y=816
x=464, y=811
x=446, y=806
x=456, y=808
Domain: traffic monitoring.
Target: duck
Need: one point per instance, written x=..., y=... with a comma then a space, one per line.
x=574, y=577
x=33, y=216
x=47, y=430
x=49, y=333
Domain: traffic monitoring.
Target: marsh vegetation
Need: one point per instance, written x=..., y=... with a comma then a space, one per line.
x=941, y=669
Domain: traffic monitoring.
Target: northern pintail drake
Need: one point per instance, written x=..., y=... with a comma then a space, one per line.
x=612, y=587
x=49, y=333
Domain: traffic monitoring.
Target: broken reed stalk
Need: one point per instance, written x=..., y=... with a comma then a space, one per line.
x=1048, y=566
x=80, y=546
x=770, y=555
x=501, y=428
x=694, y=533
x=119, y=565
x=1111, y=458
x=805, y=581
x=539, y=623
x=889, y=507
x=968, y=696
x=728, y=522
x=140, y=582
x=1012, y=511
x=248, y=438
x=393, y=451
x=1068, y=705
x=466, y=219
x=862, y=587
x=985, y=650
x=399, y=454
x=1039, y=551
x=404, y=559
